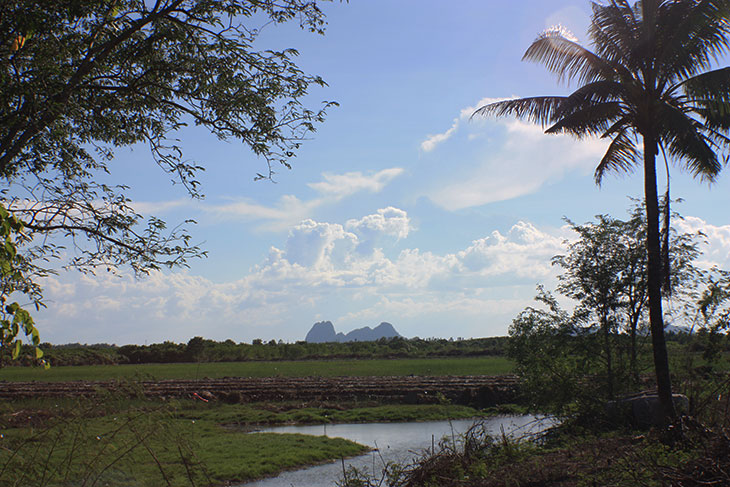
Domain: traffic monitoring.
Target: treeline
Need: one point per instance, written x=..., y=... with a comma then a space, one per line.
x=199, y=349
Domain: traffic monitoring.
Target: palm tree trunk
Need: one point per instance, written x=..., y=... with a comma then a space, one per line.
x=654, y=279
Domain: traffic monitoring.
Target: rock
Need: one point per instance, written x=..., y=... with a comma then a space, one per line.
x=643, y=410
x=324, y=331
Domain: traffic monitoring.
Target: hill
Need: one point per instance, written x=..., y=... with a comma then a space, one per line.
x=324, y=332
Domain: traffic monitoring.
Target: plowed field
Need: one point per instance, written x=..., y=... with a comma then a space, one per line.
x=480, y=391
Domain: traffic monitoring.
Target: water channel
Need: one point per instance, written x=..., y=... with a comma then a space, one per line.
x=391, y=442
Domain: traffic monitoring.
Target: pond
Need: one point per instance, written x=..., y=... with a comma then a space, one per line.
x=391, y=442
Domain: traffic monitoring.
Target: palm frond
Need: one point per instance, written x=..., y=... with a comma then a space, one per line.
x=716, y=118
x=694, y=34
x=592, y=119
x=592, y=93
x=623, y=123
x=685, y=139
x=567, y=59
x=710, y=86
x=615, y=31
x=621, y=156
x=708, y=95
x=537, y=109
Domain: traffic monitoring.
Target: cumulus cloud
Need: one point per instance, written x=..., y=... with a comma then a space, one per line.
x=715, y=245
x=321, y=269
x=389, y=221
x=320, y=272
x=524, y=252
x=319, y=245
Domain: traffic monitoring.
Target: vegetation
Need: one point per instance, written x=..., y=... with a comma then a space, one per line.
x=81, y=78
x=320, y=368
x=649, y=78
x=13, y=317
x=200, y=350
x=604, y=337
x=122, y=442
x=562, y=459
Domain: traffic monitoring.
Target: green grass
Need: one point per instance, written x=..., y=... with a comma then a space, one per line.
x=140, y=442
x=122, y=441
x=322, y=368
x=255, y=415
x=116, y=443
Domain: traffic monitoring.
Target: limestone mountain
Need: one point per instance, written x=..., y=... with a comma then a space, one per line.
x=324, y=331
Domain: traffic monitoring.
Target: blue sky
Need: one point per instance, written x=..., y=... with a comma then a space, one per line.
x=400, y=208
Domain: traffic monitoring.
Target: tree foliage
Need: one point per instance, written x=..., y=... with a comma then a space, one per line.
x=552, y=358
x=605, y=272
x=594, y=353
x=15, y=319
x=649, y=84
x=199, y=349
x=81, y=78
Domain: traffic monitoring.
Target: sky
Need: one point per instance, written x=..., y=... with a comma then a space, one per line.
x=400, y=208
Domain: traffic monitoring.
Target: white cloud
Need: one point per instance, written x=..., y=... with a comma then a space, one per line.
x=467, y=112
x=715, y=245
x=159, y=207
x=518, y=163
x=433, y=140
x=517, y=159
x=319, y=245
x=319, y=272
x=389, y=221
x=342, y=185
x=290, y=210
x=525, y=252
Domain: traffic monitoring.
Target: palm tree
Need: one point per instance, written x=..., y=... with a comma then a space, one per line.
x=648, y=84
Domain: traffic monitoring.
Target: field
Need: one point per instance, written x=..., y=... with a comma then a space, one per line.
x=120, y=440
x=488, y=365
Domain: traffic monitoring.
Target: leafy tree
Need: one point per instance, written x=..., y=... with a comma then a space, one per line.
x=553, y=355
x=194, y=349
x=647, y=85
x=605, y=271
x=594, y=277
x=81, y=78
x=707, y=309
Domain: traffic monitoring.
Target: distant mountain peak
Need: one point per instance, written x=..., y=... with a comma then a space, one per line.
x=324, y=331
x=321, y=332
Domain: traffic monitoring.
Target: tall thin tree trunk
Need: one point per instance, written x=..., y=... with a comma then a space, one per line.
x=609, y=355
x=654, y=279
x=634, y=317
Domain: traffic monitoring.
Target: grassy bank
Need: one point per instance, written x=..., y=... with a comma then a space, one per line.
x=152, y=447
x=119, y=441
x=318, y=368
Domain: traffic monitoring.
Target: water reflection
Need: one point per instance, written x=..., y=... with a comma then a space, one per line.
x=393, y=442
